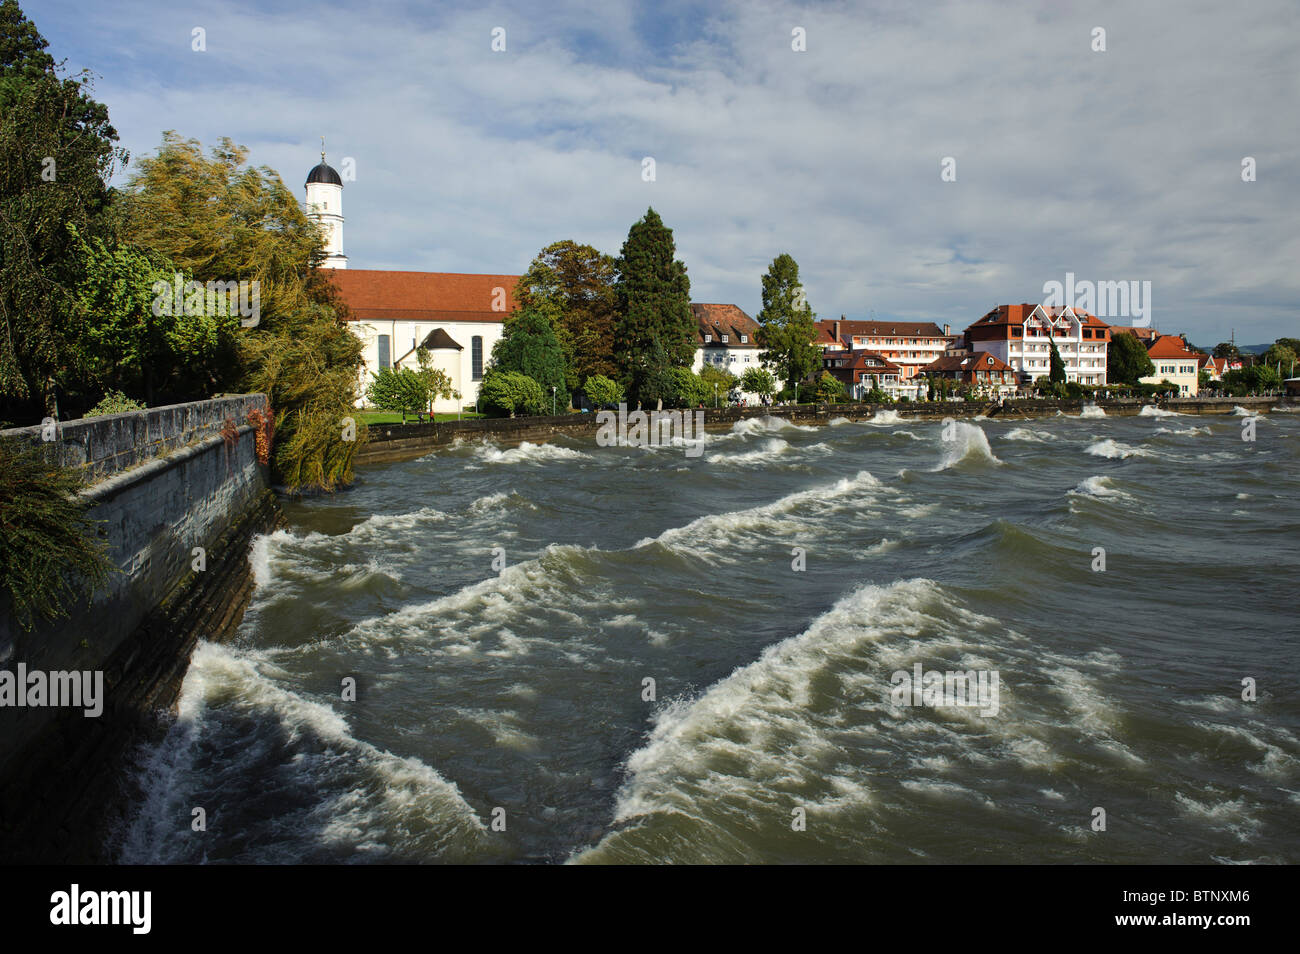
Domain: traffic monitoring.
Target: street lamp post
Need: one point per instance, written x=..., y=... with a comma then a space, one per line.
x=715, y=395
x=552, y=400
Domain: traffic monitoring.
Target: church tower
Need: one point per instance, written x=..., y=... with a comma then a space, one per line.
x=325, y=208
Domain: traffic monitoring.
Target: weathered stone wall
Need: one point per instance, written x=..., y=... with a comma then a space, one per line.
x=209, y=491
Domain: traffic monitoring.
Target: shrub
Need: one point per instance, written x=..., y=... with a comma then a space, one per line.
x=509, y=393
x=602, y=391
x=114, y=402
x=50, y=555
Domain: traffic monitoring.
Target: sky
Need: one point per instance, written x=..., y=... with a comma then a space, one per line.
x=1122, y=164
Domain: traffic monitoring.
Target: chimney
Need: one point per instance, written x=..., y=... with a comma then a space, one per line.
x=947, y=331
x=837, y=330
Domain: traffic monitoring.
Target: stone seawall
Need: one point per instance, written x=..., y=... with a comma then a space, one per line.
x=61, y=774
x=389, y=443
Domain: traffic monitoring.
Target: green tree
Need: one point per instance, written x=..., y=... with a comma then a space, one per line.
x=1279, y=354
x=602, y=391
x=1226, y=349
x=785, y=325
x=57, y=154
x=133, y=337
x=1127, y=360
x=655, y=329
x=529, y=346
x=220, y=220
x=718, y=382
x=687, y=389
x=758, y=381
x=403, y=390
x=1056, y=367
x=830, y=389
x=575, y=283
x=509, y=392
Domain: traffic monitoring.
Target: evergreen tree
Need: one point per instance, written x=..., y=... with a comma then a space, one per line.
x=1056, y=369
x=786, y=330
x=655, y=329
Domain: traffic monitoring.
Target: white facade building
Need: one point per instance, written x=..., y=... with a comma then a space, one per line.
x=1021, y=335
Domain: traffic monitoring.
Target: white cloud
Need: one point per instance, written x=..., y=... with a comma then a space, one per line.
x=1116, y=165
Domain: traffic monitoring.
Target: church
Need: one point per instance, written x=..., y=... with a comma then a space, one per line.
x=459, y=317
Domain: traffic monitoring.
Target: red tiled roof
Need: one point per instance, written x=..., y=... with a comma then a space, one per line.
x=856, y=360
x=976, y=361
x=1169, y=346
x=719, y=320
x=1019, y=314
x=876, y=329
x=373, y=294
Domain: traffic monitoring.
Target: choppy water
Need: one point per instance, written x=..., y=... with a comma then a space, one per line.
x=524, y=690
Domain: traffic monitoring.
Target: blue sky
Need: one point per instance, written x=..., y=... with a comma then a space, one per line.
x=1117, y=166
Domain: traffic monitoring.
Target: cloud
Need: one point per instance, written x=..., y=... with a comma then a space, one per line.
x=1116, y=166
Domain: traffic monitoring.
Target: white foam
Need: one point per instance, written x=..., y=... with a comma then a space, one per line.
x=1025, y=434
x=1183, y=431
x=969, y=442
x=767, y=424
x=772, y=448
x=1100, y=487
x=527, y=452
x=885, y=416
x=1114, y=449
x=1150, y=410
x=1091, y=411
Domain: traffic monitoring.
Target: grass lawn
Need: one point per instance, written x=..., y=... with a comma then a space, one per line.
x=392, y=417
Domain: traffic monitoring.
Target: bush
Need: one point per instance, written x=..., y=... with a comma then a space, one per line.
x=509, y=393
x=602, y=391
x=686, y=389
x=830, y=389
x=50, y=555
x=114, y=402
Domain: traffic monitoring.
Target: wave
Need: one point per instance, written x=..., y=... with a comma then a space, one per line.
x=1150, y=410
x=767, y=424
x=766, y=737
x=714, y=536
x=1114, y=449
x=968, y=443
x=886, y=416
x=1091, y=411
x=772, y=448
x=241, y=738
x=526, y=452
x=1100, y=487
x=1183, y=431
x=1026, y=434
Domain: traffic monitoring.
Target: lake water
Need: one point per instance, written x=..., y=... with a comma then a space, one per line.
x=521, y=696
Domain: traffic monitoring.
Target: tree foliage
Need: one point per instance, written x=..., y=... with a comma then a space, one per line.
x=786, y=330
x=220, y=220
x=509, y=392
x=50, y=556
x=530, y=346
x=654, y=329
x=602, y=391
x=1127, y=360
x=1056, y=367
x=758, y=381
x=830, y=389
x=57, y=154
x=576, y=284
